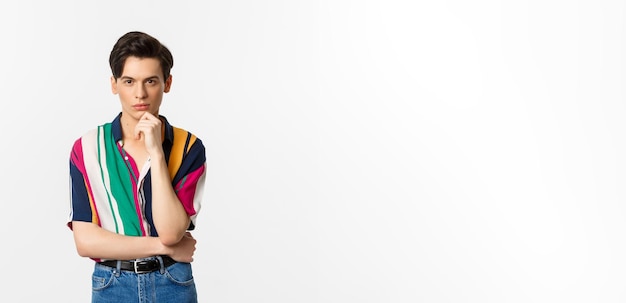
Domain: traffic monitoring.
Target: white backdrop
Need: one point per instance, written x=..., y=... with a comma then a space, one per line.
x=358, y=151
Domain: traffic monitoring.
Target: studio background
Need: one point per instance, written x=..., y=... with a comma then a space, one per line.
x=357, y=151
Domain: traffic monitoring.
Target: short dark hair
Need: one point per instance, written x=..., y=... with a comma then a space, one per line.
x=141, y=45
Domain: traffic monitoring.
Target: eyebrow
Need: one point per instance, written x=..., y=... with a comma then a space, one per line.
x=131, y=78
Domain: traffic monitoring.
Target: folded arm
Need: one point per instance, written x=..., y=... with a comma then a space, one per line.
x=95, y=242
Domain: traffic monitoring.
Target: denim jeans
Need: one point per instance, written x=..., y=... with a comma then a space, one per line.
x=170, y=284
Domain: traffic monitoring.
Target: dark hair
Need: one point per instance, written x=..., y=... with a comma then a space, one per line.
x=141, y=45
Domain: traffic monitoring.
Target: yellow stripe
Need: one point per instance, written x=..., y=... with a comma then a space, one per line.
x=94, y=214
x=178, y=149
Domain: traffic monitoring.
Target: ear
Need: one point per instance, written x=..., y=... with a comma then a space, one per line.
x=114, y=85
x=168, y=84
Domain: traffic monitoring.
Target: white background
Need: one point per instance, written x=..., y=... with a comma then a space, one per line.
x=358, y=151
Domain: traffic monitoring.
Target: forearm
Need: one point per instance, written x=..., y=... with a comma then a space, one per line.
x=170, y=218
x=95, y=242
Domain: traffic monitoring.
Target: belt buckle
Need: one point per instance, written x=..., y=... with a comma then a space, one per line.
x=138, y=270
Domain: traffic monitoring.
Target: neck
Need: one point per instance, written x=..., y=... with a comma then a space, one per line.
x=128, y=124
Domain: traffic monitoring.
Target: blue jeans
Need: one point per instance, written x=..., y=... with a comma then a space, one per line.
x=169, y=284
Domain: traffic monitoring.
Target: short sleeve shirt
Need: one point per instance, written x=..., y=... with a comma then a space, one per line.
x=109, y=189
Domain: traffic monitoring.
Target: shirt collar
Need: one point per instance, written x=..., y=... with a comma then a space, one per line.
x=116, y=129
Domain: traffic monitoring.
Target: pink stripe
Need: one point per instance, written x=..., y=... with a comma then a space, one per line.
x=78, y=160
x=187, y=193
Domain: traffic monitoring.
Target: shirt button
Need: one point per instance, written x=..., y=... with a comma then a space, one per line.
x=126, y=158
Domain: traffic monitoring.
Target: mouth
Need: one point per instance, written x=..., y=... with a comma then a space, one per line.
x=141, y=106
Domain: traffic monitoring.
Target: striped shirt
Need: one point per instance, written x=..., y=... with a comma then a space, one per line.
x=109, y=189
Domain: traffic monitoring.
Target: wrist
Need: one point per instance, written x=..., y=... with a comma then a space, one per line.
x=156, y=155
x=158, y=247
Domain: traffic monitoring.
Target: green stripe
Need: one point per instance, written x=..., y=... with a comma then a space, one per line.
x=108, y=191
x=121, y=185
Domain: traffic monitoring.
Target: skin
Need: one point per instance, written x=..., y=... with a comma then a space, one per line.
x=140, y=89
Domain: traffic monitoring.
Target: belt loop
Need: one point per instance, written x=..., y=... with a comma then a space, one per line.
x=161, y=264
x=118, y=268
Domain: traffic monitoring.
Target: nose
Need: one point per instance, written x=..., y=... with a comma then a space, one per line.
x=140, y=91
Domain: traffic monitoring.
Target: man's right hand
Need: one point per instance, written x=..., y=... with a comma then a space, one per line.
x=183, y=250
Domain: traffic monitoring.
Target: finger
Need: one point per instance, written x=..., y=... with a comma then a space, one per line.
x=138, y=131
x=147, y=116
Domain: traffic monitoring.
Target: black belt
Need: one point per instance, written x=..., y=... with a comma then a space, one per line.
x=140, y=266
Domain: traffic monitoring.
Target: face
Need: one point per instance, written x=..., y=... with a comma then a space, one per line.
x=140, y=87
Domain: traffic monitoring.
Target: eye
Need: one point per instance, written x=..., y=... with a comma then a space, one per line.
x=128, y=81
x=151, y=81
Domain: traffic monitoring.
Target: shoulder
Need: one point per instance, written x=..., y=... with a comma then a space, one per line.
x=175, y=131
x=183, y=133
x=187, y=143
x=89, y=137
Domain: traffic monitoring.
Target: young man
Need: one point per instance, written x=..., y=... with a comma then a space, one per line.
x=136, y=186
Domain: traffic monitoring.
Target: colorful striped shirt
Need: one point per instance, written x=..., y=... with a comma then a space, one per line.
x=109, y=189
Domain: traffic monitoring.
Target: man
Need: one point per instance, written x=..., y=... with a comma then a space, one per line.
x=136, y=186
